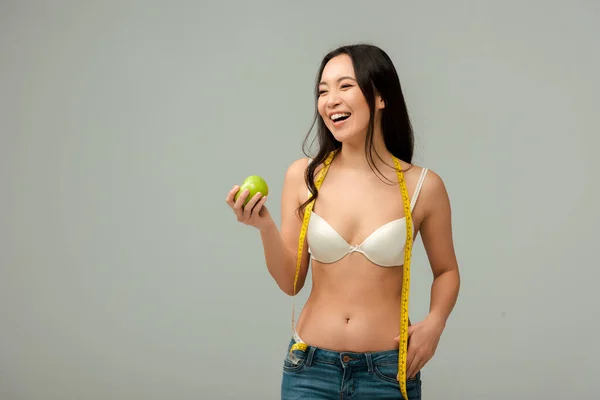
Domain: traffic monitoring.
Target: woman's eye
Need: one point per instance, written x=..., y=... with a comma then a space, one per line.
x=346, y=86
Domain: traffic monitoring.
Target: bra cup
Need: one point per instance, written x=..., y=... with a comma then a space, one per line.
x=383, y=247
x=325, y=244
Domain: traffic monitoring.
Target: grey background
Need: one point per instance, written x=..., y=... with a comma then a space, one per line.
x=124, y=275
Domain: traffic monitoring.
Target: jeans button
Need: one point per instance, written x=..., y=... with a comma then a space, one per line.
x=346, y=359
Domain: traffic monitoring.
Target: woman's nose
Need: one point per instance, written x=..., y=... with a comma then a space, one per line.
x=333, y=99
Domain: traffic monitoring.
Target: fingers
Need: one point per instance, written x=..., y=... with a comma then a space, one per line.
x=259, y=206
x=412, y=356
x=245, y=213
x=238, y=205
x=249, y=208
x=231, y=195
x=419, y=366
x=410, y=361
x=416, y=358
x=412, y=367
x=416, y=366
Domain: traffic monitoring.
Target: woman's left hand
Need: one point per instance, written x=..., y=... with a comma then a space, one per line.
x=424, y=338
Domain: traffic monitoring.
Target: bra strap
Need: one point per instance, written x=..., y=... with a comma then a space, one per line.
x=418, y=189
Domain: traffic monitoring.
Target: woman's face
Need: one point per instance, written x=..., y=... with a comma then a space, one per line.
x=341, y=103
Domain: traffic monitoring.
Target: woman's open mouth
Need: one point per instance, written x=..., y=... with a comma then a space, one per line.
x=339, y=118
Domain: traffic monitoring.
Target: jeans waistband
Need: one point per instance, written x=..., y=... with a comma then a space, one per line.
x=348, y=358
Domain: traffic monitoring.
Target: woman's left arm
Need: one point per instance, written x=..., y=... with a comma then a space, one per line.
x=436, y=234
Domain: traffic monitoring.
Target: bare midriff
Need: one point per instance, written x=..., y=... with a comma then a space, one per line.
x=354, y=306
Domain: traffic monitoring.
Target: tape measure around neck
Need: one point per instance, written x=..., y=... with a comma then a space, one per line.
x=403, y=345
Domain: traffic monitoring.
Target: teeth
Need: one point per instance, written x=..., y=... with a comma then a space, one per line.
x=339, y=115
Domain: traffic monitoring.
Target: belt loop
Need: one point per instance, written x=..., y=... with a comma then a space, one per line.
x=369, y=362
x=309, y=358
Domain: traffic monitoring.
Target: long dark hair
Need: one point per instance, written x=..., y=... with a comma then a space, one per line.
x=375, y=74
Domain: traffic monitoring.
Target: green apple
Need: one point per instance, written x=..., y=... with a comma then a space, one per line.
x=254, y=184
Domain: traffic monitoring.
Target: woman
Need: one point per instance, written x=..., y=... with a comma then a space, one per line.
x=346, y=342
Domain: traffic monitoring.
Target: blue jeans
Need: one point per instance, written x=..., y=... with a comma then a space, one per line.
x=323, y=374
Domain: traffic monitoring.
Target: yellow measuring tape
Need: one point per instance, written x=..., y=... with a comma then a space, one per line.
x=303, y=229
x=405, y=283
x=406, y=277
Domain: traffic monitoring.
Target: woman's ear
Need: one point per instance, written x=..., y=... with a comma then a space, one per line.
x=380, y=103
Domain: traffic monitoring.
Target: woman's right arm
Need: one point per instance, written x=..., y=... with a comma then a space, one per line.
x=280, y=246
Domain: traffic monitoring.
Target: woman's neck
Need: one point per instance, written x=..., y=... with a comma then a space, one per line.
x=352, y=155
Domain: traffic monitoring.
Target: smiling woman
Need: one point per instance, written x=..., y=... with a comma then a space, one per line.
x=348, y=340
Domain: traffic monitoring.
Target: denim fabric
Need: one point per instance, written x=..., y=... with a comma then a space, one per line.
x=323, y=374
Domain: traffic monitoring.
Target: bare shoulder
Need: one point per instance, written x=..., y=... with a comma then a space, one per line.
x=296, y=169
x=293, y=184
x=294, y=176
x=433, y=182
x=434, y=194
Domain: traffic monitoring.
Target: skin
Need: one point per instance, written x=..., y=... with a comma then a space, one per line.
x=354, y=304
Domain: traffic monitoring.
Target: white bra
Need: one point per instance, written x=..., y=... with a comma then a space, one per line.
x=383, y=247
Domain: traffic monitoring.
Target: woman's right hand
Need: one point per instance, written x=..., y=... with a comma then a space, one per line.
x=254, y=213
